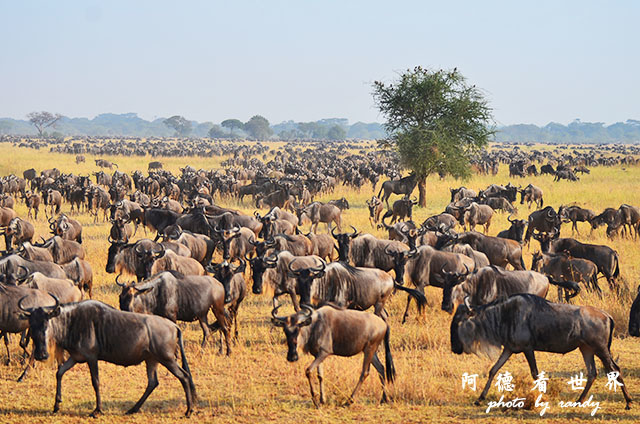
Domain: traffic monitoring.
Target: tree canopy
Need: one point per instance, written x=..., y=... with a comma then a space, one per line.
x=180, y=124
x=258, y=127
x=232, y=124
x=43, y=120
x=435, y=120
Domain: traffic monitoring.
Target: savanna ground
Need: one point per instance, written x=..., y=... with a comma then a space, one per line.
x=257, y=384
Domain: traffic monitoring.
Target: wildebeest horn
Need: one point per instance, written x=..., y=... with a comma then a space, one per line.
x=467, y=303
x=21, y=276
x=159, y=253
x=550, y=214
x=510, y=220
x=355, y=231
x=275, y=319
x=118, y=282
x=270, y=259
x=257, y=215
x=333, y=233
x=294, y=272
x=138, y=249
x=27, y=311
x=109, y=239
x=389, y=252
x=307, y=311
x=321, y=268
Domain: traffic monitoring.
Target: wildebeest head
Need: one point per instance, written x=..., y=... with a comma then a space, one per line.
x=400, y=258
x=461, y=319
x=258, y=266
x=146, y=258
x=115, y=248
x=634, y=316
x=128, y=294
x=545, y=239
x=291, y=326
x=224, y=272
x=262, y=246
x=344, y=241
x=517, y=226
x=373, y=204
x=451, y=279
x=38, y=318
x=304, y=278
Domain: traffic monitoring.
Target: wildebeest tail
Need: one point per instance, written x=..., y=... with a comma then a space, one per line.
x=541, y=202
x=568, y=285
x=612, y=325
x=616, y=271
x=388, y=359
x=421, y=300
x=522, y=263
x=380, y=192
x=185, y=364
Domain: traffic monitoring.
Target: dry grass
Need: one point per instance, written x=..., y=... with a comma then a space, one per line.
x=257, y=384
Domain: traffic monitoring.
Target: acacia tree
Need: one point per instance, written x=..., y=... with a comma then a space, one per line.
x=43, y=120
x=232, y=124
x=258, y=127
x=180, y=124
x=435, y=121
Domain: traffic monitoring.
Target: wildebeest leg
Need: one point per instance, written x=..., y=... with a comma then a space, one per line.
x=592, y=372
x=95, y=382
x=204, y=324
x=380, y=368
x=224, y=320
x=30, y=363
x=309, y=373
x=531, y=360
x=183, y=376
x=609, y=366
x=294, y=300
x=320, y=383
x=406, y=311
x=5, y=336
x=152, y=383
x=61, y=370
x=369, y=351
x=504, y=356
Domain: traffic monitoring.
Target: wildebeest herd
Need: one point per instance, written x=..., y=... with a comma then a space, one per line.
x=199, y=252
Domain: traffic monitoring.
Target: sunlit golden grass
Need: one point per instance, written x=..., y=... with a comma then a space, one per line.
x=257, y=383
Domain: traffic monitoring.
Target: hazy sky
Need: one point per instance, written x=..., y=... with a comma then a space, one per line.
x=307, y=60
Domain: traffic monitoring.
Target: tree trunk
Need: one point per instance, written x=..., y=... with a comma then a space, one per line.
x=422, y=189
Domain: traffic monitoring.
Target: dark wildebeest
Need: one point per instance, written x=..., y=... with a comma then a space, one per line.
x=63, y=251
x=544, y=220
x=29, y=174
x=157, y=219
x=91, y=331
x=402, y=186
x=547, y=169
x=527, y=323
x=499, y=203
x=341, y=203
x=67, y=228
x=54, y=200
x=566, y=174
x=79, y=271
x=121, y=229
x=630, y=216
x=375, y=210
x=461, y=193
x=235, y=289
x=178, y=297
x=634, y=316
x=155, y=165
x=605, y=258
x=575, y=214
x=562, y=267
x=606, y=217
x=516, y=231
x=402, y=209
x=332, y=331
x=532, y=194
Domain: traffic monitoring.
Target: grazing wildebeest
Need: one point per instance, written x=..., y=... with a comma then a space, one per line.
x=375, y=210
x=318, y=212
x=402, y=186
x=575, y=214
x=527, y=323
x=605, y=258
x=461, y=193
x=342, y=203
x=532, y=194
x=565, y=174
x=516, y=231
x=442, y=222
x=606, y=217
x=544, y=220
x=155, y=165
x=547, y=169
x=332, y=331
x=499, y=203
x=91, y=331
x=178, y=297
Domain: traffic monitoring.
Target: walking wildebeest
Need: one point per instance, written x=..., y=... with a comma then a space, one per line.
x=544, y=220
x=92, y=331
x=575, y=214
x=330, y=331
x=527, y=323
x=402, y=186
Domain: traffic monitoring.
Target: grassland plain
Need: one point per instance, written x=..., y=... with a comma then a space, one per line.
x=257, y=384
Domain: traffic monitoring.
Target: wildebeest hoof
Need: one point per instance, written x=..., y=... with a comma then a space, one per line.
x=95, y=413
x=477, y=402
x=131, y=411
x=188, y=413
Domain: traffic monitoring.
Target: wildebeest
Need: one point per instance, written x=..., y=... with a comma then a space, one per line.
x=544, y=220
x=80, y=272
x=235, y=289
x=103, y=163
x=634, y=316
x=562, y=267
x=11, y=264
x=342, y=203
x=67, y=228
x=604, y=257
x=565, y=174
x=63, y=251
x=403, y=186
x=527, y=323
x=515, y=231
x=532, y=194
x=461, y=193
x=32, y=200
x=155, y=165
x=575, y=214
x=547, y=169
x=91, y=331
x=17, y=232
x=6, y=215
x=476, y=214
x=318, y=212
x=54, y=200
x=332, y=331
x=402, y=209
x=499, y=251
x=80, y=159
x=178, y=297
x=375, y=210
